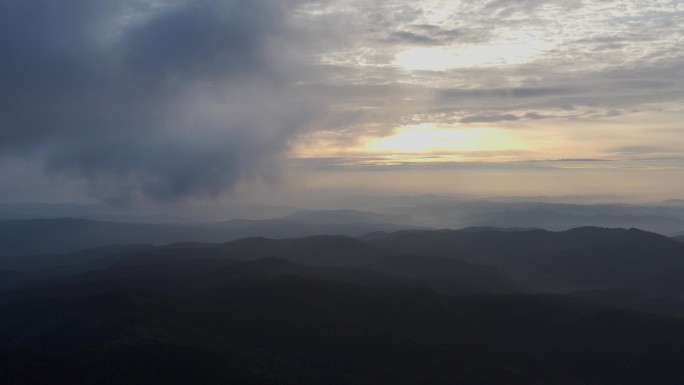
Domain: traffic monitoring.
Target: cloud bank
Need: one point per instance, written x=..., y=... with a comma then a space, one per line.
x=174, y=99
x=163, y=100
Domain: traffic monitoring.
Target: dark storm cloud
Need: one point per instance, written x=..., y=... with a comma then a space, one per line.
x=163, y=99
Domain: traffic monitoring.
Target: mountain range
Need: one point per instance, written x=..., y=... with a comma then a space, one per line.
x=22, y=238
x=478, y=305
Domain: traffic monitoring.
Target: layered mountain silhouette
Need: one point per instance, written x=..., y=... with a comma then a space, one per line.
x=348, y=259
x=589, y=255
x=476, y=306
x=295, y=330
x=21, y=238
x=666, y=218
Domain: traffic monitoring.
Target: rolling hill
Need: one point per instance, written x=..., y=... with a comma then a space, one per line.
x=22, y=238
x=299, y=330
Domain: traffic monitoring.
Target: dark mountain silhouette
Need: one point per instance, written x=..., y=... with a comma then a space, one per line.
x=9, y=278
x=633, y=299
x=330, y=257
x=388, y=308
x=298, y=330
x=493, y=246
x=180, y=277
x=587, y=256
x=471, y=260
x=640, y=260
x=90, y=258
x=344, y=251
x=131, y=337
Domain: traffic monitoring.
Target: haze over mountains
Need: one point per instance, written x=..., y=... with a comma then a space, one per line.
x=432, y=211
x=340, y=297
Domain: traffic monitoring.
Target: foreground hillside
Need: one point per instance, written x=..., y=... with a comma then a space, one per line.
x=298, y=330
x=416, y=307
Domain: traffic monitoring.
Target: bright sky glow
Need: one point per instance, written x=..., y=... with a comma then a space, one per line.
x=429, y=138
x=489, y=55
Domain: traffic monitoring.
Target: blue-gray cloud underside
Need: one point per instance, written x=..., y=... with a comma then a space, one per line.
x=165, y=100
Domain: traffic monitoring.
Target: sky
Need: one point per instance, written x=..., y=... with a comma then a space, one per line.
x=135, y=101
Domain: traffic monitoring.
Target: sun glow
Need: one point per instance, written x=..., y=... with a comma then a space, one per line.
x=490, y=55
x=429, y=139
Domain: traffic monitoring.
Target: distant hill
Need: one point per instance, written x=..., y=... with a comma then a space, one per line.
x=78, y=258
x=472, y=259
x=553, y=220
x=343, y=251
x=502, y=246
x=468, y=260
x=48, y=236
x=590, y=255
x=180, y=273
x=640, y=260
x=664, y=219
x=490, y=245
x=331, y=309
x=330, y=257
x=39, y=236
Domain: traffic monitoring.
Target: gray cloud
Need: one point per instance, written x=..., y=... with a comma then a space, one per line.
x=516, y=92
x=641, y=150
x=410, y=37
x=570, y=73
x=490, y=118
x=501, y=118
x=510, y=8
x=174, y=99
x=164, y=100
x=433, y=35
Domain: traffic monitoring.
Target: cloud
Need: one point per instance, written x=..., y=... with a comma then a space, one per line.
x=410, y=37
x=177, y=99
x=501, y=118
x=165, y=100
x=515, y=92
x=644, y=150
x=432, y=35
x=490, y=118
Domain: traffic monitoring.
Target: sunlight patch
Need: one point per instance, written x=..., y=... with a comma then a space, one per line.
x=481, y=55
x=429, y=138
